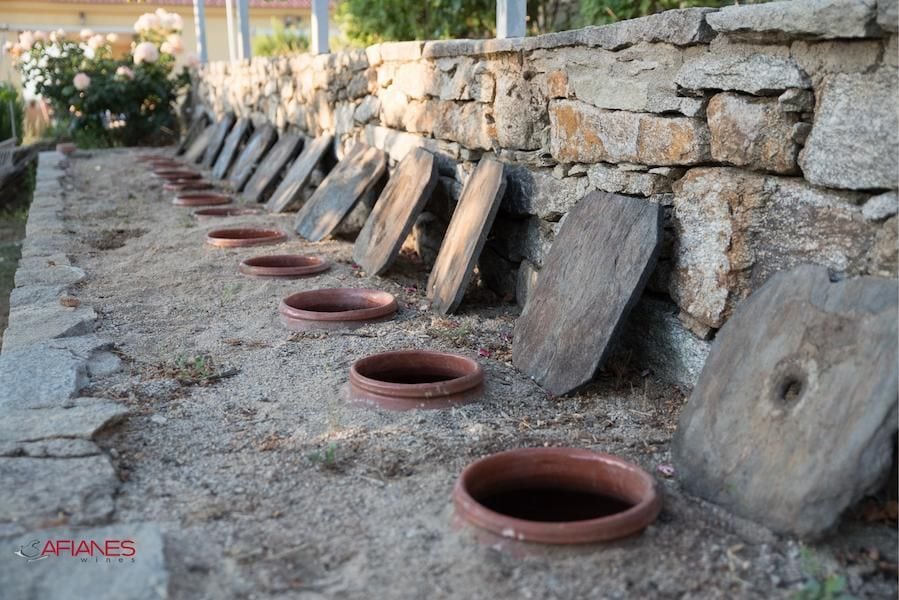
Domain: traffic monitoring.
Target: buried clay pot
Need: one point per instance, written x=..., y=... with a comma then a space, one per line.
x=336, y=308
x=164, y=163
x=556, y=496
x=282, y=265
x=408, y=379
x=226, y=211
x=175, y=174
x=201, y=199
x=240, y=237
x=66, y=148
x=186, y=185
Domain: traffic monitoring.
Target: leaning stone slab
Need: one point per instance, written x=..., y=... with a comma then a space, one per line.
x=198, y=146
x=808, y=19
x=82, y=420
x=339, y=192
x=395, y=211
x=752, y=72
x=196, y=127
x=854, y=142
x=31, y=324
x=264, y=178
x=794, y=415
x=218, y=138
x=66, y=578
x=37, y=491
x=229, y=150
x=597, y=268
x=466, y=235
x=290, y=188
x=258, y=144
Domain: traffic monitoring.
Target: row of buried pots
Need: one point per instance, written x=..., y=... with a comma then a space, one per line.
x=548, y=495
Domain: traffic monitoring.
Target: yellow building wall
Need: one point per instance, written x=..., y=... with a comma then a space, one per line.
x=17, y=15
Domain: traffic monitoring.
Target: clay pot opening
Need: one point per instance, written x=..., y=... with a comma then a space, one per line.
x=244, y=236
x=201, y=199
x=407, y=379
x=557, y=496
x=175, y=174
x=228, y=211
x=184, y=185
x=336, y=308
x=282, y=265
x=66, y=148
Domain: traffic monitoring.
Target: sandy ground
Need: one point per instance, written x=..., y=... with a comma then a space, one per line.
x=268, y=485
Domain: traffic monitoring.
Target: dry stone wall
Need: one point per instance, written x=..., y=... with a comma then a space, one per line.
x=767, y=132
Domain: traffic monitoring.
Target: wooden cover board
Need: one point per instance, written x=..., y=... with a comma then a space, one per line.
x=229, y=151
x=258, y=144
x=267, y=171
x=288, y=191
x=196, y=127
x=198, y=146
x=218, y=138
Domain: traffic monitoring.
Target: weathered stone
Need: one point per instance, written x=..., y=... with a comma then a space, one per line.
x=35, y=294
x=752, y=132
x=638, y=79
x=367, y=110
x=146, y=578
x=51, y=448
x=881, y=207
x=883, y=260
x=519, y=110
x=49, y=275
x=413, y=78
x=682, y=27
x=800, y=132
x=803, y=355
x=82, y=420
x=735, y=229
x=819, y=19
x=819, y=59
x=497, y=274
x=755, y=72
x=582, y=133
x=524, y=239
x=526, y=279
x=537, y=192
x=796, y=100
x=30, y=324
x=37, y=490
x=567, y=326
x=854, y=143
x=609, y=178
x=888, y=14
x=400, y=51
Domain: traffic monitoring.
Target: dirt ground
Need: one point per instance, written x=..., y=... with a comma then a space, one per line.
x=268, y=485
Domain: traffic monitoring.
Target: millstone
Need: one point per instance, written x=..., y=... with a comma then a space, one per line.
x=794, y=414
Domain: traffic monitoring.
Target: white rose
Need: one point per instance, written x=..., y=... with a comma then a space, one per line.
x=26, y=40
x=173, y=44
x=86, y=34
x=124, y=72
x=145, y=52
x=192, y=60
x=81, y=81
x=112, y=38
x=40, y=36
x=96, y=41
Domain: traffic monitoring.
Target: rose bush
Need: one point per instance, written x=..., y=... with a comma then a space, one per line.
x=107, y=100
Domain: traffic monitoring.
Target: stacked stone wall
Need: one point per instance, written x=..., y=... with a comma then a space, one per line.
x=767, y=132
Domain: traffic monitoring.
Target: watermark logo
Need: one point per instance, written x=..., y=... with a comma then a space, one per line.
x=86, y=550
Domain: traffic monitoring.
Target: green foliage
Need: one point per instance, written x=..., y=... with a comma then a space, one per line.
x=280, y=42
x=597, y=12
x=366, y=22
x=10, y=98
x=820, y=584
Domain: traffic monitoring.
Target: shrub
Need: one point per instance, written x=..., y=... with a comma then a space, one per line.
x=281, y=41
x=12, y=112
x=105, y=100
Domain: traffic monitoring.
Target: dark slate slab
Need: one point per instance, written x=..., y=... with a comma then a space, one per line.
x=793, y=418
x=217, y=140
x=288, y=192
x=258, y=144
x=198, y=146
x=265, y=176
x=465, y=235
x=196, y=127
x=340, y=191
x=593, y=275
x=395, y=211
x=238, y=134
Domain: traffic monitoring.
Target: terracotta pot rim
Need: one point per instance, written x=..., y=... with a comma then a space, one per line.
x=237, y=237
x=66, y=148
x=227, y=211
x=385, y=307
x=173, y=174
x=635, y=485
x=201, y=199
x=184, y=185
x=265, y=266
x=469, y=375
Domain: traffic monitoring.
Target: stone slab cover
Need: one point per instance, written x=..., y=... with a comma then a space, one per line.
x=229, y=150
x=794, y=415
x=297, y=176
x=258, y=144
x=395, y=212
x=198, y=146
x=196, y=127
x=465, y=236
x=340, y=191
x=274, y=162
x=218, y=138
x=595, y=272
